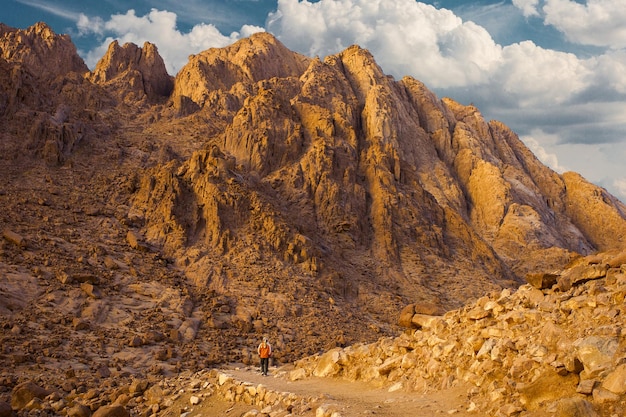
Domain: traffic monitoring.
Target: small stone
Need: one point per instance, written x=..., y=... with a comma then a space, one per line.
x=135, y=341
x=103, y=371
x=79, y=410
x=14, y=238
x=138, y=387
x=510, y=410
x=111, y=411
x=586, y=386
x=79, y=324
x=91, y=290
x=575, y=407
x=5, y=409
x=601, y=396
x=616, y=380
x=541, y=280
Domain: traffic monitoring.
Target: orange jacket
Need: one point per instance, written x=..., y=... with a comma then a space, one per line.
x=265, y=350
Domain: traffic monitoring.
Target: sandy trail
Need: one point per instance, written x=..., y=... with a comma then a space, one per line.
x=361, y=398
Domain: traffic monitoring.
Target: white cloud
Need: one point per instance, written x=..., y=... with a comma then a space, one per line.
x=587, y=22
x=405, y=36
x=596, y=22
x=88, y=25
x=610, y=70
x=535, y=75
x=528, y=7
x=438, y=48
x=159, y=28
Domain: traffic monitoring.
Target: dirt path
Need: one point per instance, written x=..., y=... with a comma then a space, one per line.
x=360, y=398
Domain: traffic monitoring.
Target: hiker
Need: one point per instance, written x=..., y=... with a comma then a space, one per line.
x=265, y=351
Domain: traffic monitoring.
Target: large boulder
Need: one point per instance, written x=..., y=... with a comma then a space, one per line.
x=329, y=363
x=25, y=392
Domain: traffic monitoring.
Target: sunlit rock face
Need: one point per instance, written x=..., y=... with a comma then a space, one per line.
x=133, y=73
x=384, y=167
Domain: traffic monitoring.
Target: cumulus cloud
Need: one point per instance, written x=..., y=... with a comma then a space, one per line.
x=610, y=69
x=159, y=28
x=536, y=75
x=405, y=36
x=592, y=22
x=438, y=48
x=86, y=25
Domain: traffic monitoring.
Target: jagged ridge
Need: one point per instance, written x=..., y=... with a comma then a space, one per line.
x=384, y=167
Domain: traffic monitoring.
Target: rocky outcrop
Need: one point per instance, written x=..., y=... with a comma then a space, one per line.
x=45, y=101
x=260, y=57
x=41, y=51
x=133, y=72
x=593, y=209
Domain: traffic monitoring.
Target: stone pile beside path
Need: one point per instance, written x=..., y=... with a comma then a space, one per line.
x=555, y=345
x=266, y=400
x=170, y=396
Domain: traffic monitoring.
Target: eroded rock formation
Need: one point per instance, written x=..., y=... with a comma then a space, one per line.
x=139, y=71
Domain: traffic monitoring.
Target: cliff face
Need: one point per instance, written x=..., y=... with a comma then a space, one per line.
x=266, y=192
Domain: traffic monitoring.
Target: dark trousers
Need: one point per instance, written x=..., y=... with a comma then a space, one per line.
x=265, y=363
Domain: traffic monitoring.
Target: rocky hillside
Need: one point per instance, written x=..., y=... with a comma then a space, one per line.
x=257, y=192
x=553, y=347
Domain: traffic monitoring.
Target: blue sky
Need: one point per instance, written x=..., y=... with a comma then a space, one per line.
x=552, y=70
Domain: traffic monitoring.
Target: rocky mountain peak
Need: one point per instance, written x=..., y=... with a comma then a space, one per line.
x=259, y=57
x=142, y=70
x=42, y=30
x=41, y=51
x=360, y=65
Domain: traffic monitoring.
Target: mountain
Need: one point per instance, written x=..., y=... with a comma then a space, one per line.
x=257, y=192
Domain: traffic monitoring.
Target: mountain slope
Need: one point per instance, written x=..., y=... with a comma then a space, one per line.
x=383, y=168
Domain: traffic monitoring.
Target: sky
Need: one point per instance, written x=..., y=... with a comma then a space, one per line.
x=554, y=71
